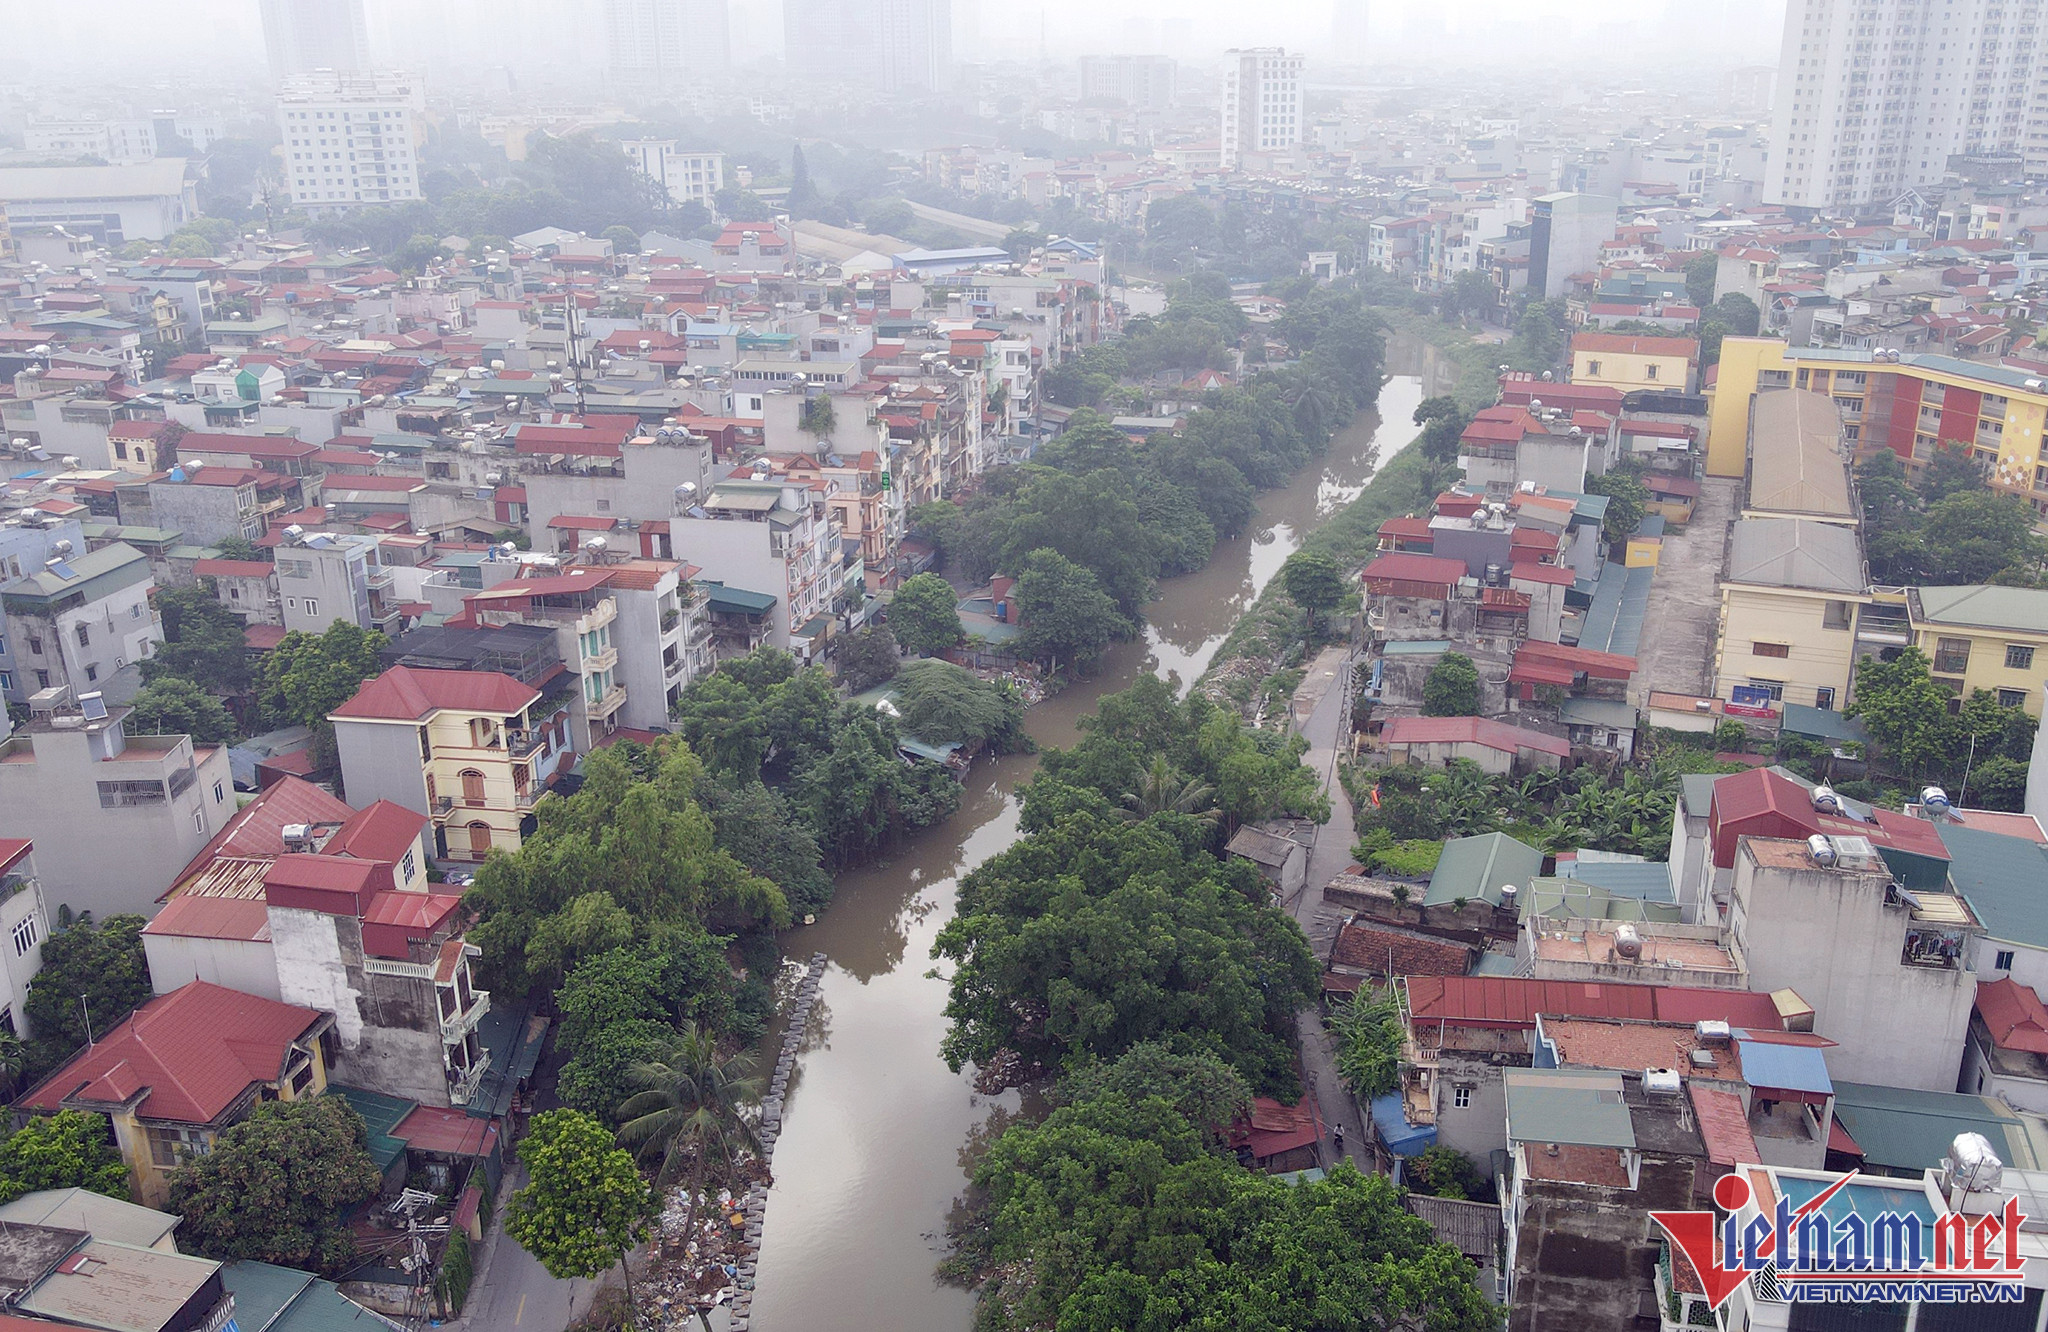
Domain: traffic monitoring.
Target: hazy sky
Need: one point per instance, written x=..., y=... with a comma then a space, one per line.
x=133, y=36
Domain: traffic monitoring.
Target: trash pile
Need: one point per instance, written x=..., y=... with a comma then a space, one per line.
x=695, y=1267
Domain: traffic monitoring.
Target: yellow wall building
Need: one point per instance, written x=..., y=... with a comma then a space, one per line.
x=1628, y=362
x=1911, y=405
x=1788, y=612
x=1977, y=637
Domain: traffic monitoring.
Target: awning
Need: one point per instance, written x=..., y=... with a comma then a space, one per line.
x=737, y=600
x=577, y=522
x=1401, y=1137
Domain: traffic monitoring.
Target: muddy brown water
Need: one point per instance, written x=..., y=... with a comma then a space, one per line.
x=878, y=1134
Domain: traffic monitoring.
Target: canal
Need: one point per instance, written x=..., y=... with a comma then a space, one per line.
x=877, y=1134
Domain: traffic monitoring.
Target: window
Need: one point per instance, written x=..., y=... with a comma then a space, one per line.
x=1774, y=688
x=1951, y=655
x=472, y=787
x=170, y=1147
x=1461, y=1097
x=24, y=937
x=1592, y=368
x=123, y=795
x=1771, y=649
x=219, y=793
x=479, y=840
x=6, y=681
x=1835, y=615
x=407, y=867
x=2012, y=698
x=2003, y=962
x=84, y=637
x=1649, y=372
x=312, y=606
x=2019, y=657
x=92, y=672
x=1824, y=698
x=42, y=679
x=35, y=645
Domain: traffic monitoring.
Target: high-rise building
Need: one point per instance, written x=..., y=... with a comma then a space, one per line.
x=1873, y=97
x=302, y=36
x=898, y=45
x=917, y=44
x=1566, y=232
x=1262, y=102
x=1349, y=41
x=689, y=177
x=657, y=40
x=1141, y=82
x=351, y=139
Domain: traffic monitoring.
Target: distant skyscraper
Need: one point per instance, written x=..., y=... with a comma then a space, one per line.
x=1262, y=102
x=917, y=44
x=1141, y=82
x=1348, y=40
x=351, y=139
x=1873, y=98
x=656, y=40
x=900, y=45
x=301, y=36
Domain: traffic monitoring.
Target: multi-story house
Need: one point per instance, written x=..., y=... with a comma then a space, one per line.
x=24, y=924
x=182, y=1069
x=1980, y=637
x=110, y=811
x=689, y=177
x=246, y=587
x=324, y=576
x=472, y=750
x=78, y=621
x=1263, y=101
x=578, y=606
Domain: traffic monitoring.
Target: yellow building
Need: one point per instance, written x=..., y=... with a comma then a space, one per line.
x=1627, y=361
x=472, y=750
x=1911, y=405
x=1788, y=613
x=182, y=1069
x=1979, y=637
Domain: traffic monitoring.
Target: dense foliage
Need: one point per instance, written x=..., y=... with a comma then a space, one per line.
x=925, y=615
x=1916, y=738
x=1947, y=530
x=1119, y=1211
x=273, y=1187
x=68, y=1150
x=584, y=1206
x=1451, y=689
x=620, y=1007
x=1369, y=1044
x=91, y=973
x=1067, y=617
x=943, y=704
x=174, y=705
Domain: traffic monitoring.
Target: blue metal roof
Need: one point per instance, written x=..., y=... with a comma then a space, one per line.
x=1401, y=1137
x=1621, y=600
x=1800, y=1068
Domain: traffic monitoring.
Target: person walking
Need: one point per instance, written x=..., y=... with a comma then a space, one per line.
x=1337, y=1136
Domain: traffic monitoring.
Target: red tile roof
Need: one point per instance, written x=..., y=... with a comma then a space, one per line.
x=1528, y=571
x=444, y=1132
x=263, y=637
x=1471, y=731
x=1513, y=1002
x=404, y=694
x=192, y=916
x=1635, y=344
x=257, y=828
x=13, y=849
x=1398, y=953
x=1724, y=1125
x=1413, y=567
x=186, y=1056
x=2015, y=1015
x=252, y=446
x=233, y=568
x=577, y=522
x=380, y=831
x=1762, y=803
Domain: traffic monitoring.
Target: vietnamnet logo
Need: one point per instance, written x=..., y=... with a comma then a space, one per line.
x=1805, y=1255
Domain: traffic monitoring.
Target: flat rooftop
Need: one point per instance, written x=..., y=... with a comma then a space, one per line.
x=1593, y=941
x=1635, y=1046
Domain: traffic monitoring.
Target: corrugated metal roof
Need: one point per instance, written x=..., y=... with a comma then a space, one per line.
x=1576, y=1107
x=2000, y=877
x=1795, y=460
x=2021, y=609
x=1475, y=868
x=1904, y=1129
x=1795, y=552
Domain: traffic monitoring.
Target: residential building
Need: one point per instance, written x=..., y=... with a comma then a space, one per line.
x=1263, y=103
x=1630, y=361
x=1787, y=631
x=25, y=924
x=183, y=1068
x=351, y=139
x=916, y=39
x=112, y=813
x=1495, y=746
x=246, y=587
x=117, y=141
x=1839, y=141
x=1887, y=973
x=307, y=36
x=1141, y=82
x=80, y=622
x=208, y=504
x=897, y=45
x=112, y=204
x=1566, y=231
x=1909, y=402
x=662, y=42
x=1796, y=463
x=578, y=607
x=472, y=750
x=2007, y=1053
x=1980, y=637
x=323, y=577
x=689, y=177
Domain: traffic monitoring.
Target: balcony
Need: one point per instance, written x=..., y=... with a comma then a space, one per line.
x=453, y=1029
x=602, y=660
x=612, y=700
x=463, y=1090
x=379, y=579
x=522, y=743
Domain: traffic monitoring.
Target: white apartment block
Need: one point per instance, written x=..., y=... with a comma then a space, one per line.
x=689, y=177
x=117, y=141
x=351, y=139
x=1262, y=102
x=1875, y=95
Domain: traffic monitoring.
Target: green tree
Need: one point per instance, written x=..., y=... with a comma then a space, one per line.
x=1315, y=582
x=1905, y=712
x=861, y=797
x=925, y=615
x=308, y=675
x=803, y=195
x=101, y=965
x=867, y=657
x=585, y=1205
x=938, y=523
x=272, y=1188
x=624, y=240
x=172, y=705
x=763, y=831
x=1022, y=241
x=1950, y=471
x=1065, y=614
x=68, y=1150
x=203, y=641
x=690, y=1109
x=1369, y=1044
x=1976, y=536
x=1739, y=313
x=1446, y=1172
x=1161, y=790
x=1207, y=1092
x=1627, y=500
x=1700, y=277
x=619, y=1006
x=816, y=418
x=943, y=704
x=1451, y=689
x=1538, y=343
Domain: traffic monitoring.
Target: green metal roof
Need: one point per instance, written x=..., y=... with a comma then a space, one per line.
x=381, y=1114
x=1476, y=867
x=1823, y=724
x=2000, y=877
x=1416, y=647
x=737, y=600
x=281, y=1299
x=1576, y=899
x=95, y=574
x=1907, y=1130
x=1582, y=1107
x=1644, y=880
x=2020, y=609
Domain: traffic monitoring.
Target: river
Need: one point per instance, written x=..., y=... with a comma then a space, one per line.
x=877, y=1134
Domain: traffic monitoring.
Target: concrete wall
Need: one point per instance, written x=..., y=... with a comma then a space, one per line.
x=205, y=514
x=1979, y=1079
x=1830, y=935
x=18, y=966
x=243, y=965
x=1481, y=1127
x=381, y=761
x=1816, y=657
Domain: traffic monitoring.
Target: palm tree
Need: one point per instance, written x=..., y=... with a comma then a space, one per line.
x=13, y=1061
x=691, y=1104
x=1161, y=790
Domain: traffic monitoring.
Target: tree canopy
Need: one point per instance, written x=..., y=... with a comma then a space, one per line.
x=173, y=705
x=273, y=1187
x=925, y=615
x=203, y=642
x=68, y=1150
x=945, y=704
x=1451, y=689
x=1065, y=613
x=102, y=965
x=1315, y=581
x=585, y=1205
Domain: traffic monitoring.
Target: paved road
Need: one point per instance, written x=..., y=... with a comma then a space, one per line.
x=513, y=1292
x=1321, y=716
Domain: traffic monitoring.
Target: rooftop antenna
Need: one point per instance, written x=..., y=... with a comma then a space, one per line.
x=88, y=1021
x=575, y=350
